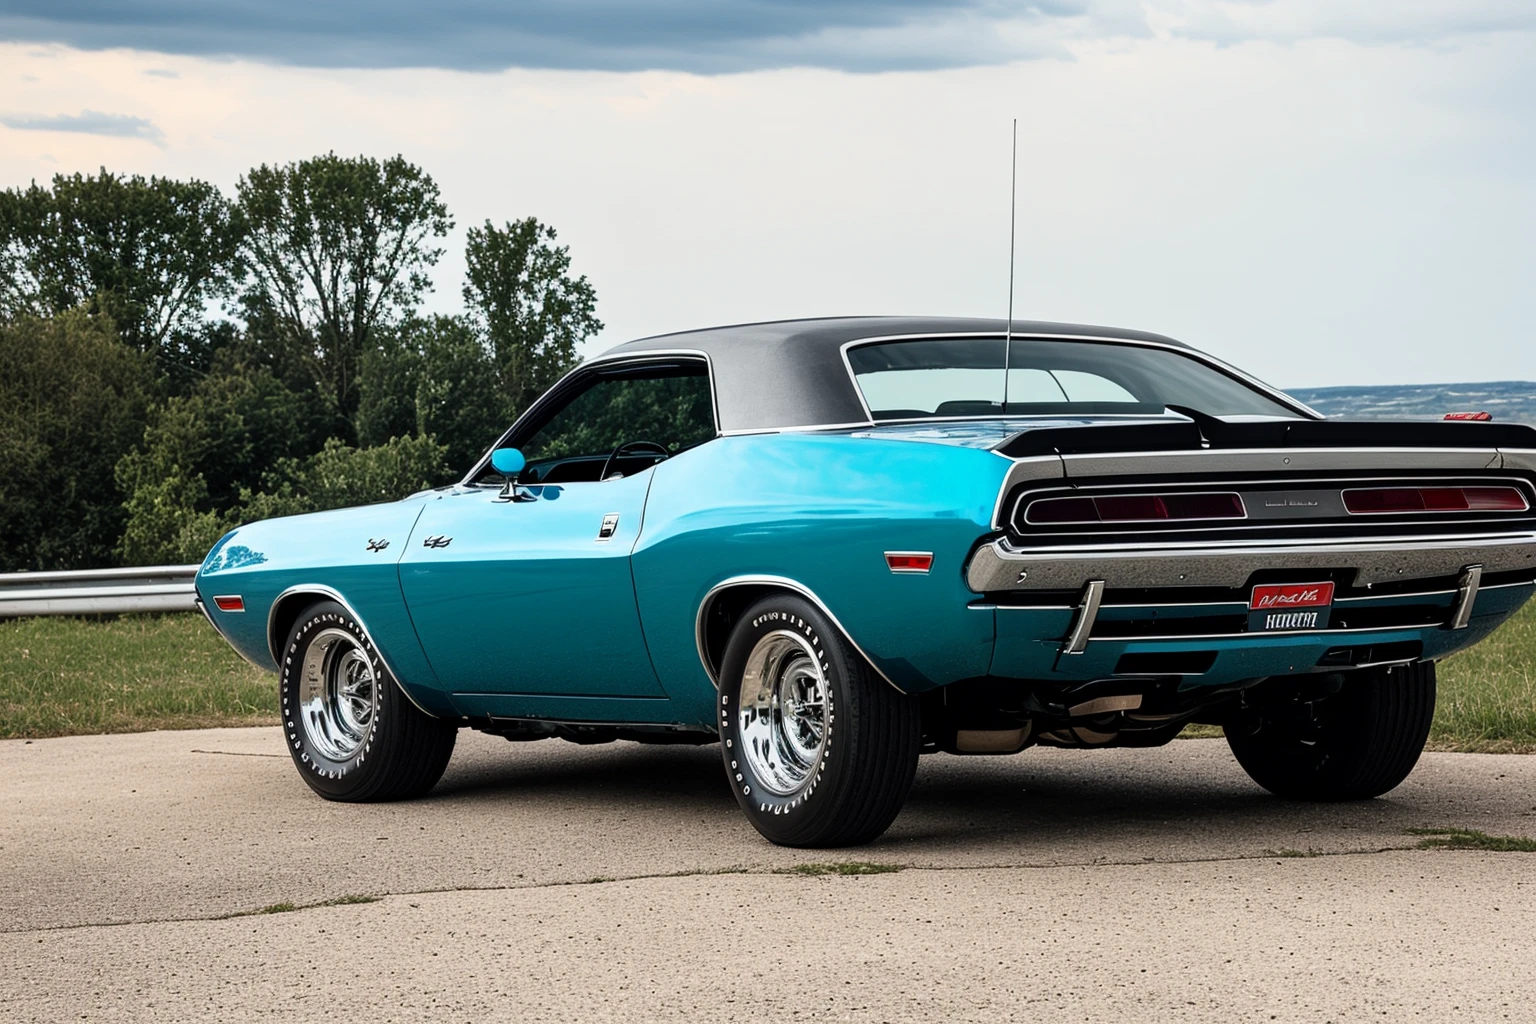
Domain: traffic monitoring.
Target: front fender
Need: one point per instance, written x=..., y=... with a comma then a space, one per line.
x=314, y=556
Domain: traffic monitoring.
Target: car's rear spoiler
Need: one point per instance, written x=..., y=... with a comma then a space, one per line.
x=1210, y=432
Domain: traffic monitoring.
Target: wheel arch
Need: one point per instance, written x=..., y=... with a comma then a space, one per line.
x=290, y=604
x=727, y=600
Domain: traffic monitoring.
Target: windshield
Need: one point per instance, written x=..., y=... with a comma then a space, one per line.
x=945, y=377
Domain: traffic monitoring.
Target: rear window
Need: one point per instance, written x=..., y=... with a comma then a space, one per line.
x=955, y=377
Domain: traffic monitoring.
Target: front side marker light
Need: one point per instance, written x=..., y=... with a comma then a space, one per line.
x=909, y=561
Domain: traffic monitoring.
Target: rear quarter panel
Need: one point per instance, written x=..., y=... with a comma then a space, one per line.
x=821, y=510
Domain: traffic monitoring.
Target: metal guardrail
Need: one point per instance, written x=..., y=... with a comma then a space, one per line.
x=148, y=588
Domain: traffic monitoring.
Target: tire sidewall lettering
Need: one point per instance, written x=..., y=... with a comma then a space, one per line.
x=756, y=798
x=291, y=685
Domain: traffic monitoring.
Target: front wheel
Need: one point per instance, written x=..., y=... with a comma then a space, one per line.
x=818, y=749
x=1355, y=743
x=351, y=730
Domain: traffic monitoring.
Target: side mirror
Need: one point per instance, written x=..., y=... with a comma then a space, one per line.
x=509, y=462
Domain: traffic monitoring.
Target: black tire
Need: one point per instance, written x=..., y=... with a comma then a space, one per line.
x=383, y=747
x=1355, y=744
x=858, y=776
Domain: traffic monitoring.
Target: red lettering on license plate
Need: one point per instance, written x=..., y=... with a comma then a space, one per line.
x=1289, y=596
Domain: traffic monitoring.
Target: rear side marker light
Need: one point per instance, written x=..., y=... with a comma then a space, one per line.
x=234, y=603
x=909, y=561
x=1376, y=501
x=1135, y=508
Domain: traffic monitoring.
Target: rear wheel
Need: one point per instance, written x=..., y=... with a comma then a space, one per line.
x=351, y=730
x=818, y=749
x=1354, y=743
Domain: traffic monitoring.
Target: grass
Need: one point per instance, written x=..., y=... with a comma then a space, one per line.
x=847, y=867
x=63, y=677
x=1487, y=695
x=288, y=908
x=1470, y=839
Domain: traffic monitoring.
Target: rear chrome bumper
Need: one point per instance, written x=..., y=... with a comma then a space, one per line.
x=1001, y=567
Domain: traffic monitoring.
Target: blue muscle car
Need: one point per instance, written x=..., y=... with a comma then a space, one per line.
x=833, y=545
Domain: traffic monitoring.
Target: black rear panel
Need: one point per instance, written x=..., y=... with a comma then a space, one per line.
x=1209, y=432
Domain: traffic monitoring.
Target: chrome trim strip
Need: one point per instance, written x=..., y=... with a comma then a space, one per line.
x=1466, y=597
x=1087, y=614
x=324, y=591
x=771, y=581
x=1034, y=467
x=1281, y=460
x=997, y=567
x=1261, y=634
x=1238, y=605
x=1265, y=544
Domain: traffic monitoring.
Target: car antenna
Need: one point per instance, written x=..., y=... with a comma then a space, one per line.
x=1013, y=204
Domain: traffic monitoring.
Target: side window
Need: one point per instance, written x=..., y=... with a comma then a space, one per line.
x=669, y=408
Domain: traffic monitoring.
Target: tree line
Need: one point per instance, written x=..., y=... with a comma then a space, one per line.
x=175, y=361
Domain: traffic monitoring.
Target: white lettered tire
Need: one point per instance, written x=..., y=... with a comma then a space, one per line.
x=353, y=734
x=819, y=750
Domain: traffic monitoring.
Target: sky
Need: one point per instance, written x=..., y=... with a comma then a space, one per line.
x=1323, y=192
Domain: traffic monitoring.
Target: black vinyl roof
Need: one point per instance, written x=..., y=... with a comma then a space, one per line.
x=790, y=373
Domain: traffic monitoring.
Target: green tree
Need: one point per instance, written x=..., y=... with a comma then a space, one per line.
x=433, y=376
x=518, y=286
x=73, y=399
x=337, y=248
x=149, y=253
x=339, y=476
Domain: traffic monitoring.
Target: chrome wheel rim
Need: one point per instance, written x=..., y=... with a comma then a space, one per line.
x=783, y=712
x=339, y=692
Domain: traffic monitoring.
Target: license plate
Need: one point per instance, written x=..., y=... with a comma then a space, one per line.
x=1281, y=606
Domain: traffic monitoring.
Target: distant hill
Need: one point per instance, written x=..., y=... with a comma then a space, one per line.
x=1510, y=401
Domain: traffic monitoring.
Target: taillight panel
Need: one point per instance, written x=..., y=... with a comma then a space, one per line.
x=1377, y=501
x=1135, y=508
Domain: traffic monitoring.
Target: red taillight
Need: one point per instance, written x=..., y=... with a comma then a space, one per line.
x=909, y=561
x=233, y=603
x=1390, y=500
x=1135, y=508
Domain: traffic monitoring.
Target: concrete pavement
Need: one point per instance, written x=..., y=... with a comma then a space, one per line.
x=554, y=882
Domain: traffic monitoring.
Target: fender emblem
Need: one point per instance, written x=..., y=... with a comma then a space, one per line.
x=377, y=545
x=437, y=540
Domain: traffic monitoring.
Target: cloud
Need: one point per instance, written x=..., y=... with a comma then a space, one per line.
x=706, y=36
x=1423, y=22
x=717, y=36
x=88, y=122
x=161, y=73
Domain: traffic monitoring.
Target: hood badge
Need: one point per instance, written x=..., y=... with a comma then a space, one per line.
x=437, y=540
x=377, y=545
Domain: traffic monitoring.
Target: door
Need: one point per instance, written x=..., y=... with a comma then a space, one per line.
x=527, y=590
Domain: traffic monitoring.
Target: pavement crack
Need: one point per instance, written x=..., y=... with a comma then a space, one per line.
x=779, y=871
x=236, y=753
